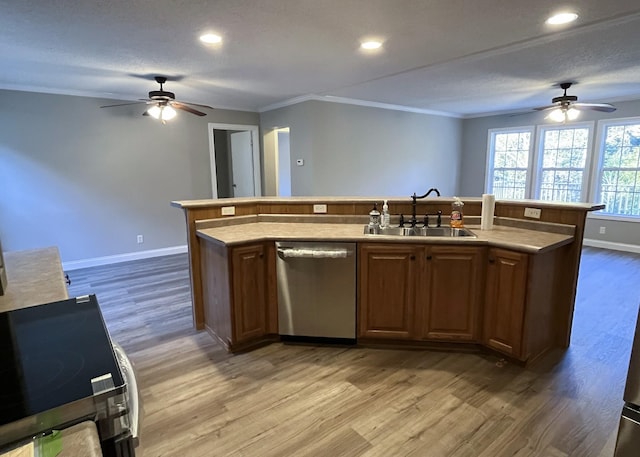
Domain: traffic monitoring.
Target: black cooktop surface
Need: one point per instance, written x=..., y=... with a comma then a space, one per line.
x=49, y=355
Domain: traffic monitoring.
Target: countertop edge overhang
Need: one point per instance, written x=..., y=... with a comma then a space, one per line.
x=518, y=239
x=392, y=200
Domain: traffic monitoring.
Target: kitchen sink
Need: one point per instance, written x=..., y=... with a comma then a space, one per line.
x=420, y=231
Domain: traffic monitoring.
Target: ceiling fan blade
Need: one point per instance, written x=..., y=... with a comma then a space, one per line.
x=544, y=108
x=121, y=104
x=193, y=104
x=603, y=107
x=186, y=108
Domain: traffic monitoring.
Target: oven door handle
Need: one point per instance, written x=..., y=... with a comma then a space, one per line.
x=133, y=395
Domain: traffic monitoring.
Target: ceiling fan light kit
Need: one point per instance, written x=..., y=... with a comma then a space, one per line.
x=162, y=112
x=164, y=104
x=566, y=107
x=564, y=114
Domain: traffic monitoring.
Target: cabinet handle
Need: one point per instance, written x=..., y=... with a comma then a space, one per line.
x=261, y=255
x=428, y=257
x=492, y=260
x=67, y=279
x=413, y=257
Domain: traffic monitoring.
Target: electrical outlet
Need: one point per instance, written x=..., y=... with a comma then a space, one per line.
x=603, y=230
x=320, y=209
x=532, y=212
x=140, y=239
x=228, y=210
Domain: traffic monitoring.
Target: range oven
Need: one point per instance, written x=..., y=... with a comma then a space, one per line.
x=59, y=367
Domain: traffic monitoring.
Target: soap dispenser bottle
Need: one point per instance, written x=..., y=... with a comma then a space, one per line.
x=456, y=213
x=374, y=217
x=386, y=218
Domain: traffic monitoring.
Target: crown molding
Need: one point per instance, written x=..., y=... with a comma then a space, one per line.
x=352, y=101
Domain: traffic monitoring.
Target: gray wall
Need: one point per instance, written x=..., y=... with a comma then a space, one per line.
x=362, y=151
x=474, y=157
x=88, y=180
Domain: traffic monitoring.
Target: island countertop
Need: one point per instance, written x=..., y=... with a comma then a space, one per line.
x=218, y=202
x=34, y=277
x=520, y=239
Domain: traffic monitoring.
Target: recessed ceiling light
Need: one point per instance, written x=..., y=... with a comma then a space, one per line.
x=369, y=45
x=562, y=18
x=211, y=38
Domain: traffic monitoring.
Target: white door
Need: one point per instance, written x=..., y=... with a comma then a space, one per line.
x=242, y=164
x=248, y=180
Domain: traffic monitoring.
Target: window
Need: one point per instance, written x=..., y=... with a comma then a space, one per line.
x=566, y=166
x=562, y=159
x=564, y=153
x=509, y=158
x=618, y=185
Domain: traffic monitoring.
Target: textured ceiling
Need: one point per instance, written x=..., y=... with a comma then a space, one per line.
x=461, y=57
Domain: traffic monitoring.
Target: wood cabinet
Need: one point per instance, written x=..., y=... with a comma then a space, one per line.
x=450, y=298
x=248, y=275
x=387, y=286
x=505, y=300
x=239, y=292
x=406, y=292
x=419, y=292
x=521, y=304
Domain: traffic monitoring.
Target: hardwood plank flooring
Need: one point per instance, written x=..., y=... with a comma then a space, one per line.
x=295, y=400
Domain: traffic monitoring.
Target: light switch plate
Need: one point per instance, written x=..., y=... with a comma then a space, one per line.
x=532, y=212
x=228, y=210
x=320, y=209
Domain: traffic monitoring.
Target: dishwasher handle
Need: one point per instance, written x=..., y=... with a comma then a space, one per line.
x=313, y=253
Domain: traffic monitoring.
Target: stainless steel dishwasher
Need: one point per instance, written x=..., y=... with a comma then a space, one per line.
x=317, y=291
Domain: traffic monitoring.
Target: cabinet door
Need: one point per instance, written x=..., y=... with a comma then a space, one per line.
x=386, y=291
x=451, y=294
x=249, y=302
x=505, y=301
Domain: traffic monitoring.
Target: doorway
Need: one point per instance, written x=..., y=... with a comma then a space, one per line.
x=277, y=162
x=234, y=153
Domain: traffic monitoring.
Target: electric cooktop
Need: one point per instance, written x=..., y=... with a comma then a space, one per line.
x=53, y=357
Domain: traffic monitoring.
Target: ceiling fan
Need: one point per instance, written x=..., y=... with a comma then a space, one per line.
x=163, y=103
x=566, y=107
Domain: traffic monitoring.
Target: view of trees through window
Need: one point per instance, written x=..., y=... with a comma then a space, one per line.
x=620, y=173
x=566, y=167
x=564, y=158
x=510, y=164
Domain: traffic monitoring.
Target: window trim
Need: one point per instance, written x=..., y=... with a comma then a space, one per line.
x=488, y=183
x=598, y=149
x=537, y=169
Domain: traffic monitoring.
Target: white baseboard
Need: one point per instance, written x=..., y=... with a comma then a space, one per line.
x=107, y=260
x=611, y=245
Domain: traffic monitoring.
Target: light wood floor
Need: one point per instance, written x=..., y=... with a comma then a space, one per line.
x=286, y=400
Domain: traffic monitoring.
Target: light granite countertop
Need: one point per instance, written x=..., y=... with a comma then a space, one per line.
x=519, y=239
x=34, y=277
x=80, y=440
x=392, y=200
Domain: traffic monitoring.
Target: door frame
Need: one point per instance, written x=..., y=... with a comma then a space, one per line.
x=255, y=144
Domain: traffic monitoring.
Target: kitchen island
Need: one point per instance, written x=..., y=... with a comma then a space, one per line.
x=510, y=289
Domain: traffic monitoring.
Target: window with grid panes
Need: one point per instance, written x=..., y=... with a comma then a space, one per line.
x=509, y=153
x=562, y=175
x=618, y=186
